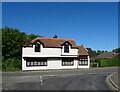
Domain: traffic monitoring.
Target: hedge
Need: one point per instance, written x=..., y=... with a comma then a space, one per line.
x=108, y=62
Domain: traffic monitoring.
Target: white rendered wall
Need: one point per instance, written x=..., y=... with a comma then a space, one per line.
x=53, y=63
x=47, y=52
x=72, y=51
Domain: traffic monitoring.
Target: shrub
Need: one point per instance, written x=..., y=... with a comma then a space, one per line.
x=109, y=62
x=11, y=64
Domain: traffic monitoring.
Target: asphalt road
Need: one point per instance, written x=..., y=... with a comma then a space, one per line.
x=74, y=79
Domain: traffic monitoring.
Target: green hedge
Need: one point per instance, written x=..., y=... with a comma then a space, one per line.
x=11, y=64
x=108, y=62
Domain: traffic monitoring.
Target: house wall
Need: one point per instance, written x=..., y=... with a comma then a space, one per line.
x=24, y=67
x=85, y=66
x=53, y=63
x=69, y=67
x=54, y=60
x=48, y=52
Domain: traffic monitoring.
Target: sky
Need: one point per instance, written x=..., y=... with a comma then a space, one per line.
x=92, y=24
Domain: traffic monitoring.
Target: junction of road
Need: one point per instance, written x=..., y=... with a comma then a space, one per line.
x=73, y=79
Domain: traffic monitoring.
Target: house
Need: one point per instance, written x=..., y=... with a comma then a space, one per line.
x=53, y=53
x=91, y=53
x=106, y=55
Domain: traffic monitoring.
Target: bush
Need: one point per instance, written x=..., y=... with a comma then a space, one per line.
x=108, y=62
x=11, y=64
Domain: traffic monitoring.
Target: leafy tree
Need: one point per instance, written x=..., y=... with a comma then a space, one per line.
x=55, y=36
x=32, y=36
x=12, y=41
x=117, y=50
x=99, y=52
x=103, y=51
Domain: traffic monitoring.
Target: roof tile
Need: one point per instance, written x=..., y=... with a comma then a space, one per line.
x=82, y=50
x=51, y=42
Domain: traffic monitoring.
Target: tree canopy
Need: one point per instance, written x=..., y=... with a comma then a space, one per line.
x=12, y=41
x=55, y=36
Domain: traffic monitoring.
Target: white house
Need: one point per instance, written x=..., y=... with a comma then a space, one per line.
x=53, y=53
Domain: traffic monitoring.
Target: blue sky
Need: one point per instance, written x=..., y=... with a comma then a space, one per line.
x=91, y=24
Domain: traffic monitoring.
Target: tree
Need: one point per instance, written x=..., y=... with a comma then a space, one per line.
x=12, y=41
x=117, y=50
x=55, y=36
x=99, y=52
x=32, y=36
x=103, y=51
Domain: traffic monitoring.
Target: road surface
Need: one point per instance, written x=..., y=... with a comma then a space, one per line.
x=73, y=79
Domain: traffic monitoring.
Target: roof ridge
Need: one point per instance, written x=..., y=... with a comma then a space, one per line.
x=53, y=38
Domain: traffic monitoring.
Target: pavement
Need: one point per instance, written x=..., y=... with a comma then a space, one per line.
x=114, y=80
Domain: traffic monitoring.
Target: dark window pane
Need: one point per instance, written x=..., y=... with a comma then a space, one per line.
x=67, y=61
x=37, y=47
x=36, y=62
x=83, y=61
x=66, y=47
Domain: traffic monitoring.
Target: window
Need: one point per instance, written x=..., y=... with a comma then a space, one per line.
x=83, y=62
x=37, y=47
x=67, y=61
x=66, y=48
x=36, y=62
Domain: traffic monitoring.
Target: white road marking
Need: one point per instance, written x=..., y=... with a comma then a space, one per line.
x=41, y=81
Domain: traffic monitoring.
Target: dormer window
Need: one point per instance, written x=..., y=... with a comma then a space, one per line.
x=66, y=48
x=37, y=47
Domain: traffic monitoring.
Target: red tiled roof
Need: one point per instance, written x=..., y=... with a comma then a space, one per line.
x=82, y=50
x=91, y=53
x=51, y=42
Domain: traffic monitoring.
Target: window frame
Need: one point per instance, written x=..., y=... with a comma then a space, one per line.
x=83, y=61
x=66, y=48
x=37, y=47
x=36, y=62
x=67, y=61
